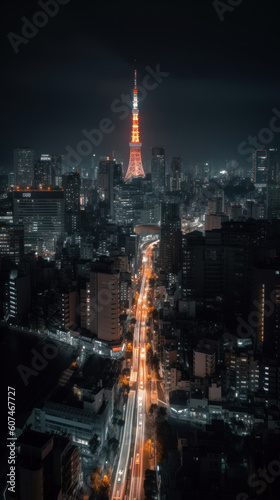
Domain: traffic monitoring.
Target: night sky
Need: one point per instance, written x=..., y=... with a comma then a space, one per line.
x=222, y=85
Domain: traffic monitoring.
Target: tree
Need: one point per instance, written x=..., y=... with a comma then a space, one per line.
x=147, y=446
x=95, y=478
x=124, y=384
x=94, y=444
x=129, y=335
x=104, y=488
x=161, y=413
x=155, y=362
x=151, y=310
x=113, y=444
x=152, y=410
x=101, y=486
x=117, y=413
x=165, y=440
x=149, y=355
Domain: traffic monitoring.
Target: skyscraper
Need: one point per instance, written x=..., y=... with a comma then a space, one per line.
x=259, y=174
x=273, y=200
x=176, y=165
x=109, y=175
x=48, y=466
x=59, y=169
x=265, y=302
x=93, y=168
x=72, y=186
x=135, y=167
x=42, y=214
x=192, y=275
x=19, y=295
x=171, y=237
x=128, y=204
x=273, y=165
x=103, y=302
x=12, y=241
x=176, y=170
x=158, y=169
x=24, y=166
x=44, y=171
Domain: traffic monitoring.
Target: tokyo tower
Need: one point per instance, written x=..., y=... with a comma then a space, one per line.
x=135, y=167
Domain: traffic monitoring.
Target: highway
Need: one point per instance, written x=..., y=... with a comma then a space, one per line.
x=131, y=457
x=136, y=491
x=119, y=487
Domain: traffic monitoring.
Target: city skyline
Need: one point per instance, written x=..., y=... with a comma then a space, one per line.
x=139, y=251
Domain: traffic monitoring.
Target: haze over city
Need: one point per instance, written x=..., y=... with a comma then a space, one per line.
x=221, y=88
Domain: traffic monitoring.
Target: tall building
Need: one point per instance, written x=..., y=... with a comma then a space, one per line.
x=135, y=167
x=237, y=240
x=193, y=274
x=214, y=221
x=203, y=363
x=272, y=165
x=19, y=296
x=259, y=174
x=47, y=468
x=62, y=314
x=117, y=174
x=171, y=237
x=273, y=200
x=24, y=166
x=105, y=180
x=44, y=171
x=85, y=410
x=265, y=317
x=12, y=241
x=72, y=191
x=59, y=169
x=4, y=182
x=158, y=169
x=128, y=204
x=109, y=175
x=244, y=373
x=42, y=214
x=103, y=302
x=176, y=172
x=93, y=168
x=213, y=266
x=176, y=165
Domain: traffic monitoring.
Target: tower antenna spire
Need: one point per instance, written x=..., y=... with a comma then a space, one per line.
x=135, y=167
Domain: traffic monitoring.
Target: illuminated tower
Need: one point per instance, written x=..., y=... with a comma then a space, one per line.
x=135, y=167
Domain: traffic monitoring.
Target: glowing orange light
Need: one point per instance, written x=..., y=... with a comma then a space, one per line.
x=135, y=168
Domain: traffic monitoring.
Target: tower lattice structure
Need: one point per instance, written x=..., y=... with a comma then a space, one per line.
x=135, y=167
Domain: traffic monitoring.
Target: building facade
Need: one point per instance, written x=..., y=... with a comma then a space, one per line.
x=24, y=166
x=42, y=214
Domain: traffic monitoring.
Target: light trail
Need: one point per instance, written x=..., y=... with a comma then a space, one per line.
x=137, y=402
